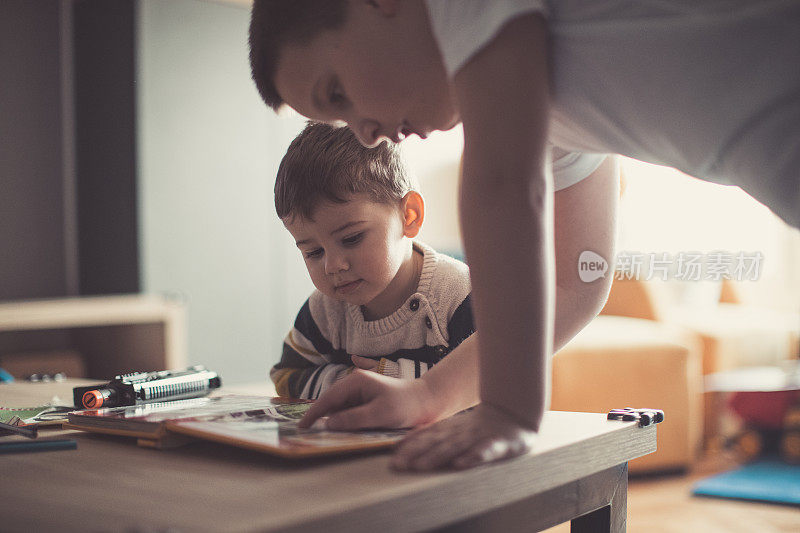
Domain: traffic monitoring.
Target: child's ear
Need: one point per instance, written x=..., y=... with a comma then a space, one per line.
x=413, y=207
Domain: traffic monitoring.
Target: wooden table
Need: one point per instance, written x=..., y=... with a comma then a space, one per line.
x=578, y=472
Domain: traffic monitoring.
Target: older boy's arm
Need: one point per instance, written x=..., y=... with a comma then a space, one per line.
x=585, y=219
x=506, y=214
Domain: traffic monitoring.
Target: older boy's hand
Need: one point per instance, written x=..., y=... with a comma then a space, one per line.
x=482, y=435
x=366, y=399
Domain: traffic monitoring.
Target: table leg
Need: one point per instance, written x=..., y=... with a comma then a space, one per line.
x=611, y=518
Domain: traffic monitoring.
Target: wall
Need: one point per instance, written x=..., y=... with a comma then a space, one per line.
x=208, y=152
x=663, y=210
x=33, y=243
x=435, y=162
x=67, y=166
x=104, y=100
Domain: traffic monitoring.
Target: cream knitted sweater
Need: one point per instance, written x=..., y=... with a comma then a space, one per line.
x=429, y=324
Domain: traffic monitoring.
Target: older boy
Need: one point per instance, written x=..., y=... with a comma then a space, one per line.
x=710, y=88
x=383, y=302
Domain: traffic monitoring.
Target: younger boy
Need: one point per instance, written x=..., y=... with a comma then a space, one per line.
x=383, y=302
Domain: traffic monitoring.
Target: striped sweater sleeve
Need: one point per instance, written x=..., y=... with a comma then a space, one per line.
x=305, y=370
x=403, y=368
x=461, y=324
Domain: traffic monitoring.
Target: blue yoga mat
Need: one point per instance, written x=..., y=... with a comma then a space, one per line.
x=765, y=480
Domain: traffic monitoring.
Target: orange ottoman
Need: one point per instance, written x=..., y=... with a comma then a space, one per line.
x=620, y=362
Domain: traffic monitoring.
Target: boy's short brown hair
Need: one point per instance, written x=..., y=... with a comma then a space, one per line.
x=275, y=23
x=327, y=163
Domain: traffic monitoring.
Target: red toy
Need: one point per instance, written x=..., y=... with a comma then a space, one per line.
x=766, y=401
x=772, y=421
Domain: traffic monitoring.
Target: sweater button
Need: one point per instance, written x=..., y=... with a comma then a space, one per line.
x=428, y=322
x=413, y=304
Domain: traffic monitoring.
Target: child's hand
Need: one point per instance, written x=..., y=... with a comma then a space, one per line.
x=369, y=400
x=479, y=436
x=364, y=363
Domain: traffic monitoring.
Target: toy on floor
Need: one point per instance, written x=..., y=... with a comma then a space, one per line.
x=766, y=403
x=771, y=423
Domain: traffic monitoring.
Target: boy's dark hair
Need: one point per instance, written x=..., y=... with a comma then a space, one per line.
x=276, y=23
x=327, y=163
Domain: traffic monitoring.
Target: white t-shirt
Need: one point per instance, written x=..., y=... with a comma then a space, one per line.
x=710, y=87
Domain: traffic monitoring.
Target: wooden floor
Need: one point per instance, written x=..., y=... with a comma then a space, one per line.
x=664, y=504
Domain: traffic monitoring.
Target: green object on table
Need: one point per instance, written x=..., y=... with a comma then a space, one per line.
x=7, y=413
x=24, y=446
x=42, y=414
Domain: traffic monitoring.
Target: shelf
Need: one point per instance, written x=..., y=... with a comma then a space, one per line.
x=114, y=334
x=88, y=311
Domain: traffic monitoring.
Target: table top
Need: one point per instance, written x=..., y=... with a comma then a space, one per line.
x=109, y=482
